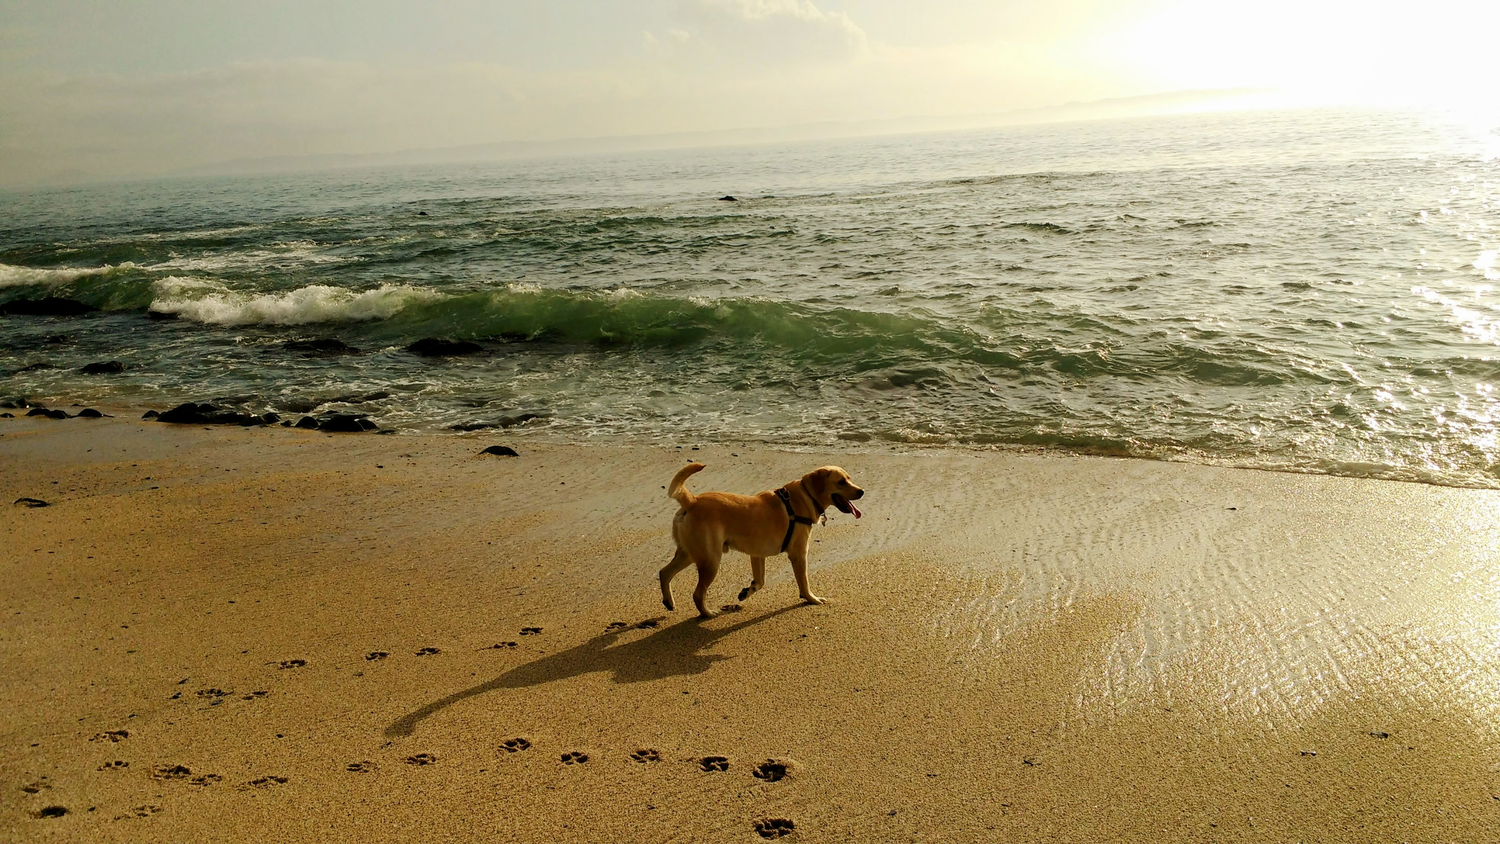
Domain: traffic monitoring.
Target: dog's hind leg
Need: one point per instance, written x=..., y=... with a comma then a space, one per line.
x=680, y=561
x=757, y=577
x=708, y=569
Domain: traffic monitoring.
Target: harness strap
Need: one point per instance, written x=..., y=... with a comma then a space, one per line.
x=786, y=501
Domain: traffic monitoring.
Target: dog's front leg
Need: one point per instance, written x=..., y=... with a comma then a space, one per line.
x=757, y=577
x=798, y=556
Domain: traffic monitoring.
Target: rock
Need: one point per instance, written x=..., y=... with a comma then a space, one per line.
x=150, y=414
x=7, y=416
x=12, y=404
x=31, y=502
x=160, y=315
x=727, y=198
x=108, y=367
x=46, y=306
x=433, y=347
x=187, y=413
x=346, y=423
x=519, y=419
x=57, y=414
x=269, y=418
x=320, y=346
x=471, y=426
x=501, y=450
x=89, y=413
x=307, y=423
x=37, y=411
x=421, y=213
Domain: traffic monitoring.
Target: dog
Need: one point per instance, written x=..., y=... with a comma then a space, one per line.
x=764, y=525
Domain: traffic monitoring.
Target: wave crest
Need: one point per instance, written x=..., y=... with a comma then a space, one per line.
x=213, y=303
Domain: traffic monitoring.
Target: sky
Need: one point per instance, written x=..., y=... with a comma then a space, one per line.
x=114, y=88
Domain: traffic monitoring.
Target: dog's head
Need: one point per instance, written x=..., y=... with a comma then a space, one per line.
x=831, y=485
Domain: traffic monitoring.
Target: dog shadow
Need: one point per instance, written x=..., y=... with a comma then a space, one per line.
x=675, y=651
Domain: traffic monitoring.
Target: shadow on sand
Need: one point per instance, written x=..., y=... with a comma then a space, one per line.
x=674, y=651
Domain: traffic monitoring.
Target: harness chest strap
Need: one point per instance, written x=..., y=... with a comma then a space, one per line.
x=786, y=501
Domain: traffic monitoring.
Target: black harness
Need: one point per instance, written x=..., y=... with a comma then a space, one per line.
x=791, y=527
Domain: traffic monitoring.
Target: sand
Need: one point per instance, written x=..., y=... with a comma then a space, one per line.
x=275, y=635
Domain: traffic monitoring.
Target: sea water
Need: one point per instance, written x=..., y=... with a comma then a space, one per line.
x=1302, y=290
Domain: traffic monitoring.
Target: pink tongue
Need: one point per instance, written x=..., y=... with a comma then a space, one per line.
x=857, y=514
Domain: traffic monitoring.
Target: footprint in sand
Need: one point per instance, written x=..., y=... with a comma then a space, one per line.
x=211, y=693
x=139, y=812
x=255, y=695
x=35, y=787
x=770, y=771
x=364, y=766
x=649, y=624
x=515, y=745
x=113, y=766
x=51, y=812
x=616, y=625
x=530, y=631
x=266, y=782
x=730, y=608
x=111, y=735
x=713, y=764
x=645, y=755
x=574, y=757
x=500, y=646
x=428, y=652
x=421, y=759
x=183, y=773
x=374, y=655
x=774, y=827
x=291, y=663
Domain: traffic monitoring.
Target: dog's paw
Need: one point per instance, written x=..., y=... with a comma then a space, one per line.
x=668, y=605
x=814, y=599
x=745, y=593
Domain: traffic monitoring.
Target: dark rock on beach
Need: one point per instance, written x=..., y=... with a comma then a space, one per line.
x=31, y=502
x=46, y=306
x=501, y=451
x=13, y=403
x=50, y=414
x=307, y=423
x=150, y=414
x=346, y=423
x=89, y=413
x=433, y=347
x=727, y=198
x=160, y=315
x=108, y=367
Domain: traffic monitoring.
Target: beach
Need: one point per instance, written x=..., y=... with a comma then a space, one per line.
x=264, y=634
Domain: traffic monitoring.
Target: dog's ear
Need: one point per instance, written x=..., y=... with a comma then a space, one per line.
x=816, y=483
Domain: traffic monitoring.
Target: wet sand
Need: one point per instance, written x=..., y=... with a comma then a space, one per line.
x=279, y=635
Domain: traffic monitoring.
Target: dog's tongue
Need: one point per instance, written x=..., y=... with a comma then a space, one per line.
x=857, y=514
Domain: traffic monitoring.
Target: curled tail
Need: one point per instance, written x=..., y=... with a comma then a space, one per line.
x=676, y=489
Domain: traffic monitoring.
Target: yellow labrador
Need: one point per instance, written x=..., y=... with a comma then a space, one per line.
x=773, y=522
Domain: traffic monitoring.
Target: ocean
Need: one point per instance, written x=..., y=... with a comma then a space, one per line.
x=1296, y=290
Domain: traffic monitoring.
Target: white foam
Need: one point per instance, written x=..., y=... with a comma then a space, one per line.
x=211, y=302
x=11, y=276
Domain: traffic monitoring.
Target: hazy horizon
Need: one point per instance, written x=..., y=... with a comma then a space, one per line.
x=96, y=90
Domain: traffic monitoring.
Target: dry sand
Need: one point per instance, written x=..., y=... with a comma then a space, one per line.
x=1017, y=648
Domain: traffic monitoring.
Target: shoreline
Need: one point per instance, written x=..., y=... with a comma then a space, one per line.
x=875, y=445
x=1027, y=646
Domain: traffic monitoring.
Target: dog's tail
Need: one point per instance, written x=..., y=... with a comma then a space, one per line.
x=676, y=488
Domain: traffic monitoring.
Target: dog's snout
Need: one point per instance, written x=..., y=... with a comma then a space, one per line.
x=858, y=494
